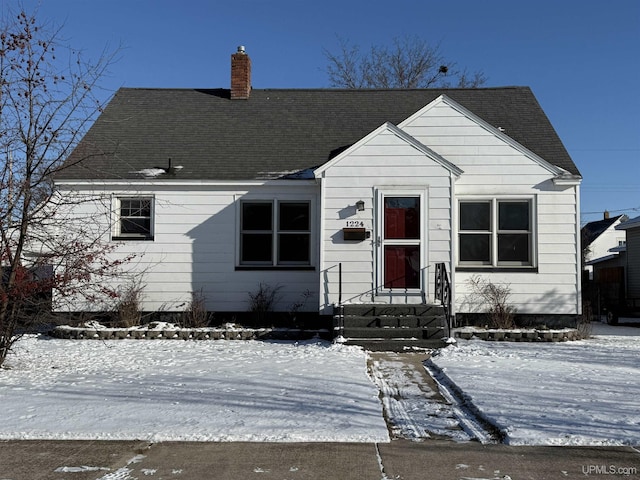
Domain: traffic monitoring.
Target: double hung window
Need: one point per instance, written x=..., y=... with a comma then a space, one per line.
x=275, y=233
x=134, y=218
x=496, y=233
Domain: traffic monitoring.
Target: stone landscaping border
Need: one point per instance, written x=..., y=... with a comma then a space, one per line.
x=90, y=333
x=535, y=335
x=236, y=333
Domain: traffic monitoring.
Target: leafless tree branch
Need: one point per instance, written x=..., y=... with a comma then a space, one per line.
x=47, y=102
x=409, y=62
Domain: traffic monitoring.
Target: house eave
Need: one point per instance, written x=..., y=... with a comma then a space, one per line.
x=567, y=179
x=183, y=183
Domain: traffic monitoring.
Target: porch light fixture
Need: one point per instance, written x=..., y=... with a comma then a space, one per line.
x=360, y=205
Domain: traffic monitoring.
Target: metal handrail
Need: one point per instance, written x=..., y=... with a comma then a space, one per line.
x=340, y=305
x=443, y=292
x=372, y=291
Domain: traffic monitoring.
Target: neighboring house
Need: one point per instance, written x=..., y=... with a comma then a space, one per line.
x=604, y=259
x=632, y=231
x=334, y=194
x=603, y=249
x=602, y=243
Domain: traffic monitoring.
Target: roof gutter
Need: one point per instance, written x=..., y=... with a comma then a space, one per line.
x=178, y=183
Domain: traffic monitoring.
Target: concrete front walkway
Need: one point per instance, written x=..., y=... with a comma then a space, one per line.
x=398, y=460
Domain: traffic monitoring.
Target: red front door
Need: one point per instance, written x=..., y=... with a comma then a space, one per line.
x=401, y=242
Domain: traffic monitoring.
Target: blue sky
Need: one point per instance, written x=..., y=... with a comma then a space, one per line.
x=580, y=57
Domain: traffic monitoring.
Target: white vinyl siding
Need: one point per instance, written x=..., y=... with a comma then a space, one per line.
x=195, y=247
x=496, y=169
x=384, y=164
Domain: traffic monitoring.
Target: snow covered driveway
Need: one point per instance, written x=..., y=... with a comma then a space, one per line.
x=574, y=393
x=164, y=390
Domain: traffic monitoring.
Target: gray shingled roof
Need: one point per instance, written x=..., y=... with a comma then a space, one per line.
x=276, y=131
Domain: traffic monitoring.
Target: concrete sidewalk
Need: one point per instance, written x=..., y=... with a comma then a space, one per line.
x=398, y=460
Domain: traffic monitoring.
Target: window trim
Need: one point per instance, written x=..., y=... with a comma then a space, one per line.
x=275, y=233
x=494, y=264
x=116, y=233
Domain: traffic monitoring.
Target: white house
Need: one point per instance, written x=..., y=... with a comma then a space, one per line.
x=335, y=196
x=602, y=242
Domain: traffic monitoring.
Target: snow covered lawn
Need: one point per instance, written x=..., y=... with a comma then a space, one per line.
x=574, y=393
x=164, y=390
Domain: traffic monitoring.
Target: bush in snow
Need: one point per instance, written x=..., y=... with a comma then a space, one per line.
x=261, y=302
x=196, y=315
x=495, y=301
x=128, y=312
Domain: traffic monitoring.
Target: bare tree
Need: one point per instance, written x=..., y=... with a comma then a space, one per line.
x=409, y=62
x=47, y=101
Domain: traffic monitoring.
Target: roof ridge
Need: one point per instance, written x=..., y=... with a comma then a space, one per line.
x=330, y=89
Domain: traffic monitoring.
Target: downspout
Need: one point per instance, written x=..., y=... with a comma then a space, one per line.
x=322, y=287
x=578, y=254
x=453, y=230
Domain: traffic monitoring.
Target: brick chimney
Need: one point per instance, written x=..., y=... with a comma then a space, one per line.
x=240, y=75
x=606, y=215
